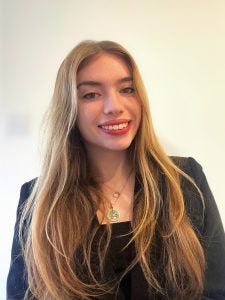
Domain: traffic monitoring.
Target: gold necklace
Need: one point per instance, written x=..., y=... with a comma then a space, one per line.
x=113, y=214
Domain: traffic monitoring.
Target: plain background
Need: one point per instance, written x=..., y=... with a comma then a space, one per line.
x=179, y=47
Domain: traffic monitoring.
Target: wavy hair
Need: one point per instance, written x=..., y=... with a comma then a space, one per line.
x=58, y=227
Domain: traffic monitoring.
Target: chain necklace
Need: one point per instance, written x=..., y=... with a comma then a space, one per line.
x=113, y=214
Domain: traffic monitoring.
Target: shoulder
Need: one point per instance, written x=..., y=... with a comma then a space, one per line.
x=28, y=186
x=25, y=191
x=200, y=204
x=16, y=280
x=205, y=218
x=196, y=197
x=189, y=166
x=195, y=171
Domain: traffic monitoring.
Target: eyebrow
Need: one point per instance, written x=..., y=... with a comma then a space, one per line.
x=97, y=83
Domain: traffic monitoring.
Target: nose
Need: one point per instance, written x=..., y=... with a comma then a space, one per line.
x=113, y=104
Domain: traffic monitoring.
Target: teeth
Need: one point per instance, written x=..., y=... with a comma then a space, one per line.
x=115, y=127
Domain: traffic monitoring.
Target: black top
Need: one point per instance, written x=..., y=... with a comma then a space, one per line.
x=207, y=224
x=121, y=258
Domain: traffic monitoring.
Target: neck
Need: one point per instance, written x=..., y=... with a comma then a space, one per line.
x=112, y=169
x=109, y=166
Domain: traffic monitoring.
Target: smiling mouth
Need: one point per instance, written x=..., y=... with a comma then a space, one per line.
x=115, y=127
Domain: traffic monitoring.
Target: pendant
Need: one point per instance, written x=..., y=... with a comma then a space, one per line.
x=113, y=215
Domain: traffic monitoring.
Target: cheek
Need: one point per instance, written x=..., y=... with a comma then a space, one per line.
x=87, y=117
x=138, y=112
x=82, y=117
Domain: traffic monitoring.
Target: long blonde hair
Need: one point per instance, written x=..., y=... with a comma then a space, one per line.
x=60, y=213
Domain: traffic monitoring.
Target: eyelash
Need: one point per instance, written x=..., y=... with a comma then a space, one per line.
x=90, y=96
x=93, y=95
x=128, y=90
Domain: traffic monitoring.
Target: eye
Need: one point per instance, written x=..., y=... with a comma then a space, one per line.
x=90, y=96
x=127, y=90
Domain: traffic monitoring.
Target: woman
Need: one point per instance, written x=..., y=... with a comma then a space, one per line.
x=111, y=216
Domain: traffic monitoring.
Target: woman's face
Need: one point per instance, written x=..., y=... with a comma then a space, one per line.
x=109, y=112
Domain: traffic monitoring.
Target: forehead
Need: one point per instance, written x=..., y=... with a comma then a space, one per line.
x=104, y=65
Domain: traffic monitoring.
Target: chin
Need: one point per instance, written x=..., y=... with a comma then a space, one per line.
x=108, y=146
x=118, y=147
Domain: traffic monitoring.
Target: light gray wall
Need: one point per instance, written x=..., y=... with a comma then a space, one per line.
x=179, y=46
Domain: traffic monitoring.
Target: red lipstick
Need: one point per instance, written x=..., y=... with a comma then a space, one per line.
x=107, y=127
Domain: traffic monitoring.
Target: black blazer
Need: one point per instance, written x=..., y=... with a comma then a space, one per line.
x=209, y=228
